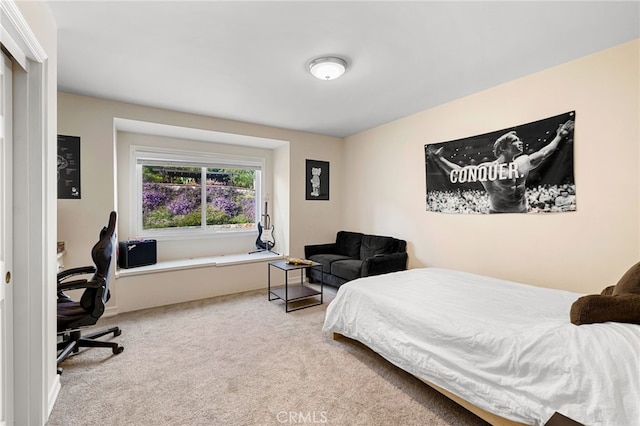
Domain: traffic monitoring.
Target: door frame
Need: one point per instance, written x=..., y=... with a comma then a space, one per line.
x=35, y=382
x=6, y=242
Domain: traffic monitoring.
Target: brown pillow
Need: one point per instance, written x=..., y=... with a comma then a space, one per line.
x=630, y=282
x=595, y=308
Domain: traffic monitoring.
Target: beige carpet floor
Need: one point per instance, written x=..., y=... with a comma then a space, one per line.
x=241, y=360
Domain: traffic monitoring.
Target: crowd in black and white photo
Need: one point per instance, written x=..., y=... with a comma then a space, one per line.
x=542, y=198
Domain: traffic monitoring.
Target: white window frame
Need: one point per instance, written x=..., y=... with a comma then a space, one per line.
x=139, y=154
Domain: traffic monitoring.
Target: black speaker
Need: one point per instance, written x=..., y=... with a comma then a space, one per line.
x=136, y=253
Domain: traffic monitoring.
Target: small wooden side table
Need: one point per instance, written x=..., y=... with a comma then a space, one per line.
x=294, y=292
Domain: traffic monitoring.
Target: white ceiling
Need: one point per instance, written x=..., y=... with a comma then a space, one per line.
x=248, y=61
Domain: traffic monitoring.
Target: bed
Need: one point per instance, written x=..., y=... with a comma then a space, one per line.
x=505, y=350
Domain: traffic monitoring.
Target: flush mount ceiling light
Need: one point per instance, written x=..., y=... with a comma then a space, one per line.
x=328, y=67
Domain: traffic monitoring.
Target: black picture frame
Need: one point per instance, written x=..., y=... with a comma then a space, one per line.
x=317, y=176
x=69, y=167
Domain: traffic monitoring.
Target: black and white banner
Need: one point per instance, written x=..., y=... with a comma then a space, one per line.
x=524, y=169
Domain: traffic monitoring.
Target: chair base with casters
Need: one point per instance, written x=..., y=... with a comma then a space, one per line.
x=72, y=341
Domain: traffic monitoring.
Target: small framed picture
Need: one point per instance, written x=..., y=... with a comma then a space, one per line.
x=69, y=167
x=317, y=180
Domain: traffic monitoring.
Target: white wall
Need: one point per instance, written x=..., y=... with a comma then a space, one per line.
x=297, y=222
x=583, y=251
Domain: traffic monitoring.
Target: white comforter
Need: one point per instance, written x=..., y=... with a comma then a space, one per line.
x=506, y=347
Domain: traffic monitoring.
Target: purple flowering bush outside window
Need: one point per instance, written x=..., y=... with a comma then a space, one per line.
x=172, y=198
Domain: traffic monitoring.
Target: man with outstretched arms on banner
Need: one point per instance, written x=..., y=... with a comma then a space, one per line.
x=504, y=178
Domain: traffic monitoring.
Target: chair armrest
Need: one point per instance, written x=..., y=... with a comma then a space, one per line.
x=329, y=248
x=65, y=284
x=76, y=284
x=383, y=263
x=63, y=275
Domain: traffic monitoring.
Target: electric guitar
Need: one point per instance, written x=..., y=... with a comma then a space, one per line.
x=265, y=240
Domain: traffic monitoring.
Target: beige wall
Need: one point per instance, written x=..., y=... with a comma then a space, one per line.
x=582, y=251
x=296, y=221
x=383, y=189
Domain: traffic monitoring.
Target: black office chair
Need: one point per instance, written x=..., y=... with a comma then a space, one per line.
x=74, y=316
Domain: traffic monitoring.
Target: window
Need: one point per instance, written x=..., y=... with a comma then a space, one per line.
x=181, y=193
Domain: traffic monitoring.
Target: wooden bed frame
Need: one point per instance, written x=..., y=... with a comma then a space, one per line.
x=494, y=419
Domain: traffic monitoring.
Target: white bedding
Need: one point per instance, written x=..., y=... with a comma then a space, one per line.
x=506, y=347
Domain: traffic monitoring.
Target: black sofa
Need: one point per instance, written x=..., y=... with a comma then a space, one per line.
x=356, y=255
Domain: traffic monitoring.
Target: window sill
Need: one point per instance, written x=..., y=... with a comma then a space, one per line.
x=197, y=234
x=200, y=262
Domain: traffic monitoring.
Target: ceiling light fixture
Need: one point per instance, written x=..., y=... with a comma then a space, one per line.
x=328, y=67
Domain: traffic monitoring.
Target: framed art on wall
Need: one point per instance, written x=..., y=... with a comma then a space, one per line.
x=68, y=167
x=317, y=175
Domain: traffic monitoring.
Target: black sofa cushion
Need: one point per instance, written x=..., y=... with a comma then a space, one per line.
x=327, y=260
x=347, y=269
x=348, y=243
x=371, y=245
